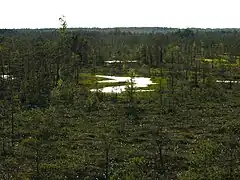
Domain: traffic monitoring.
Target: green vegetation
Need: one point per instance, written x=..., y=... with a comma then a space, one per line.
x=53, y=127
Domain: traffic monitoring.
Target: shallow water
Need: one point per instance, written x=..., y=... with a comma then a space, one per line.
x=7, y=76
x=227, y=81
x=139, y=82
x=117, y=61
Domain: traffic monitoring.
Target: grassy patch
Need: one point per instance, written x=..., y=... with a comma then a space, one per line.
x=159, y=80
x=89, y=80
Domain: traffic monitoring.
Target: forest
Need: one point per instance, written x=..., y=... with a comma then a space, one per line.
x=119, y=104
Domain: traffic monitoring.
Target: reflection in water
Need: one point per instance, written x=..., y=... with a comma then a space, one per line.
x=7, y=76
x=139, y=82
x=117, y=61
x=227, y=81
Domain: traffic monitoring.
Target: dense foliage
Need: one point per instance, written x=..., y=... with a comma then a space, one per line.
x=53, y=127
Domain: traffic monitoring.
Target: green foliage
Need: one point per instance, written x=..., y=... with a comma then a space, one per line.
x=60, y=82
x=204, y=162
x=133, y=169
x=63, y=94
x=53, y=127
x=238, y=61
x=92, y=102
x=130, y=89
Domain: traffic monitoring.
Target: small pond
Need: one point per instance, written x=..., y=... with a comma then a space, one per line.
x=117, y=61
x=227, y=81
x=6, y=76
x=139, y=82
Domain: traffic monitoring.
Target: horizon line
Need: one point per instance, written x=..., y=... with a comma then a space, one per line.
x=117, y=27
